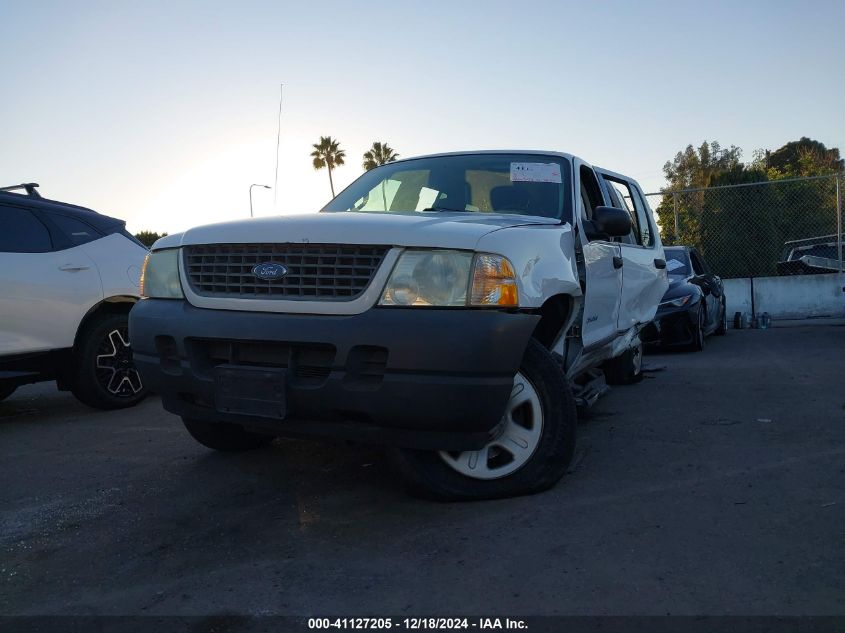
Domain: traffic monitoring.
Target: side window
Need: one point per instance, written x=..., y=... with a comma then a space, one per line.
x=643, y=214
x=77, y=232
x=622, y=198
x=22, y=232
x=590, y=193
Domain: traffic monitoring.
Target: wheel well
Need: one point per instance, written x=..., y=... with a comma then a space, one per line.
x=554, y=315
x=112, y=305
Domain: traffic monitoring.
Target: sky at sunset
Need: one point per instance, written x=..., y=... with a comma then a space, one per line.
x=163, y=113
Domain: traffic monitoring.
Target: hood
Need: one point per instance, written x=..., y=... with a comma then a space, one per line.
x=441, y=230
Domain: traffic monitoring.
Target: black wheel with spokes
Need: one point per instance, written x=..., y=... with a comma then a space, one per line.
x=106, y=377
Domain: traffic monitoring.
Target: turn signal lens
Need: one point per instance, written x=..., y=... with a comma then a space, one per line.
x=144, y=274
x=493, y=282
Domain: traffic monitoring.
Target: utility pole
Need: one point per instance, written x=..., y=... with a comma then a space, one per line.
x=278, y=137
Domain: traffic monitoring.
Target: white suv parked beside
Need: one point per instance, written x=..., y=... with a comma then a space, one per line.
x=68, y=277
x=448, y=306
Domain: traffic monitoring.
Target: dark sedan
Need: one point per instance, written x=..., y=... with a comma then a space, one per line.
x=693, y=306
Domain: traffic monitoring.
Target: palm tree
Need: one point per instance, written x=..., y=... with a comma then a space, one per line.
x=379, y=154
x=327, y=153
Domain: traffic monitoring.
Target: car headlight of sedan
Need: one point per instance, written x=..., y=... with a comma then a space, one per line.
x=160, y=275
x=451, y=279
x=676, y=303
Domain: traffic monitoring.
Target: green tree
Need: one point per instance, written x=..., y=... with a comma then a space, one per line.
x=741, y=230
x=692, y=168
x=738, y=229
x=807, y=207
x=148, y=238
x=379, y=154
x=801, y=158
x=327, y=153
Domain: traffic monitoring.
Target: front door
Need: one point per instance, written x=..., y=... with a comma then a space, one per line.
x=603, y=266
x=44, y=294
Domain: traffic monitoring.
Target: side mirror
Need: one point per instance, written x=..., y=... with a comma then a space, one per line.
x=700, y=280
x=611, y=221
x=712, y=285
x=708, y=284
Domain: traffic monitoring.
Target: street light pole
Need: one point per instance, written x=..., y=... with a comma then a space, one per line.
x=250, y=196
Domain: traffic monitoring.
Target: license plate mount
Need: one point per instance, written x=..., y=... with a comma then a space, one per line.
x=254, y=391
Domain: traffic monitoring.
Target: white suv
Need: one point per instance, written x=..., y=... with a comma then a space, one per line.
x=68, y=277
x=450, y=306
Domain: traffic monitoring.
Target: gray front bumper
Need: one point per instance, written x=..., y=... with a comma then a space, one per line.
x=420, y=378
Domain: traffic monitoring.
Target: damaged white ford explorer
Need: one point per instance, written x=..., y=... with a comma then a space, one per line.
x=455, y=307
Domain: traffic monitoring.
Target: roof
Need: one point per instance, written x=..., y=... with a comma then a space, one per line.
x=97, y=220
x=530, y=152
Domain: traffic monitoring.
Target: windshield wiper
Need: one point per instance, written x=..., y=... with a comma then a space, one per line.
x=445, y=209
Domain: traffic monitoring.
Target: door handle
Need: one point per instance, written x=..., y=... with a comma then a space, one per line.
x=73, y=268
x=617, y=261
x=660, y=263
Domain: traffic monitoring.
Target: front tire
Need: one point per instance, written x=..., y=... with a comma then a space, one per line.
x=225, y=437
x=105, y=376
x=530, y=454
x=6, y=391
x=698, y=335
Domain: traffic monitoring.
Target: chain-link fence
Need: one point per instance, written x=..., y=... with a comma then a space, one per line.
x=778, y=227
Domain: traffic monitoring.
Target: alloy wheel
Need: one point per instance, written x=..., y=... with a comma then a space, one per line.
x=521, y=430
x=115, y=368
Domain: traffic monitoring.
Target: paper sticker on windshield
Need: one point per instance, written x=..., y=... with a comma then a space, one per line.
x=674, y=264
x=535, y=172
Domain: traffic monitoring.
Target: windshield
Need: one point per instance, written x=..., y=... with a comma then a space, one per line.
x=677, y=262
x=525, y=184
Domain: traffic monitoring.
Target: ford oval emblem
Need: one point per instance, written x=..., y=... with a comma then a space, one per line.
x=269, y=271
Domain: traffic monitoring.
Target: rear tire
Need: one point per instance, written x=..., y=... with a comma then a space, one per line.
x=6, y=391
x=626, y=369
x=722, y=329
x=105, y=376
x=222, y=436
x=531, y=453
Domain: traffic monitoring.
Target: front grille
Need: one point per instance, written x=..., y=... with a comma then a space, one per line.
x=322, y=272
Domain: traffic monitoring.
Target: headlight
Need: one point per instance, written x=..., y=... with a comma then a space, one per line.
x=160, y=275
x=677, y=303
x=451, y=278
